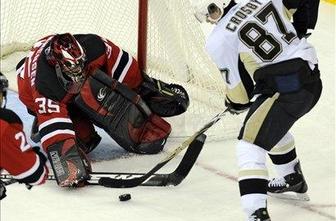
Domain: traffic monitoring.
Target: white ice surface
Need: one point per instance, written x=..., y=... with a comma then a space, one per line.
x=210, y=192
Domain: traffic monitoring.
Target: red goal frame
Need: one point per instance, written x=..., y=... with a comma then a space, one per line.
x=142, y=33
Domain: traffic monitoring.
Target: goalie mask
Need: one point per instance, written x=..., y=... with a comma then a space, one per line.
x=210, y=10
x=3, y=90
x=68, y=57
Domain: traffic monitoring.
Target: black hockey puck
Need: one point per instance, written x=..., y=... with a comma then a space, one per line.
x=125, y=197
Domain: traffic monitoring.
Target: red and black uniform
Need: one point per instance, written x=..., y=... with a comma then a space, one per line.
x=46, y=98
x=16, y=155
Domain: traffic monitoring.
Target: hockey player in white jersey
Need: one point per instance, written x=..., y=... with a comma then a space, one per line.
x=262, y=55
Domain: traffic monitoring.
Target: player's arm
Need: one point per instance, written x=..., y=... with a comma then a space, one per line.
x=25, y=163
x=238, y=81
x=120, y=65
x=68, y=162
x=305, y=13
x=239, y=90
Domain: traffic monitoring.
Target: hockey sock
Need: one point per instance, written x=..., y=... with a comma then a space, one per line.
x=253, y=176
x=283, y=156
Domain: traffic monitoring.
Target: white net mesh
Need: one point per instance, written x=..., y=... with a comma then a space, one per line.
x=175, y=46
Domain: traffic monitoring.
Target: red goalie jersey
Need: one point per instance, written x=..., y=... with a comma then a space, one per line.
x=16, y=155
x=41, y=92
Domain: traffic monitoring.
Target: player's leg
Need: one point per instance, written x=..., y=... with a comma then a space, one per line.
x=290, y=182
x=251, y=152
x=253, y=174
x=269, y=119
x=253, y=178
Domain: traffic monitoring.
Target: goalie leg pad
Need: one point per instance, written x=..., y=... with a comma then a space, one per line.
x=164, y=99
x=122, y=114
x=151, y=136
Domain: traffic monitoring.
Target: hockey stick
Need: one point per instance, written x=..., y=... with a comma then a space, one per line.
x=7, y=181
x=183, y=169
x=174, y=178
x=127, y=180
x=133, y=182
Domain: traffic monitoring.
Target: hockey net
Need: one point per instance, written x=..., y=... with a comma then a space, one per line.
x=172, y=48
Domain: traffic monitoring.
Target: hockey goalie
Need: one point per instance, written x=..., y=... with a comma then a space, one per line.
x=70, y=83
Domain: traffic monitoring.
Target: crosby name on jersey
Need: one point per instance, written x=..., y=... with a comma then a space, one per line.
x=242, y=14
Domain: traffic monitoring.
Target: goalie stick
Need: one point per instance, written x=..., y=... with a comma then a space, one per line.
x=174, y=178
x=133, y=182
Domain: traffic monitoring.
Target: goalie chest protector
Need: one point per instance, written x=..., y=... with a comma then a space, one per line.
x=122, y=114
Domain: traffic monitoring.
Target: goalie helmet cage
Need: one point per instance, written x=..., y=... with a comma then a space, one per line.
x=162, y=34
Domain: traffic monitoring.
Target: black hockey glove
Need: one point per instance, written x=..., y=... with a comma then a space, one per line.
x=2, y=190
x=165, y=100
x=235, y=108
x=306, y=35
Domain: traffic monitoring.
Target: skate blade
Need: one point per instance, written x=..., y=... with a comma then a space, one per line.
x=290, y=196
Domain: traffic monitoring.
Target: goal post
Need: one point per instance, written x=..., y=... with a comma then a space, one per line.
x=163, y=35
x=142, y=33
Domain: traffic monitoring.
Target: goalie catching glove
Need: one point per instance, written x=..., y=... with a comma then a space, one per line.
x=164, y=99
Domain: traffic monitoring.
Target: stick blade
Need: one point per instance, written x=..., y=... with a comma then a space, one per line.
x=183, y=169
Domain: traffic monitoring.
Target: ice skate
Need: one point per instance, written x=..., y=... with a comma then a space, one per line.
x=293, y=186
x=260, y=215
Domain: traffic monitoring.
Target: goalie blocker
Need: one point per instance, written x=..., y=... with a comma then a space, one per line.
x=123, y=114
x=69, y=163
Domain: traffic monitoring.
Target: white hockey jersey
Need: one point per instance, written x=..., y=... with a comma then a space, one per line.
x=257, y=33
